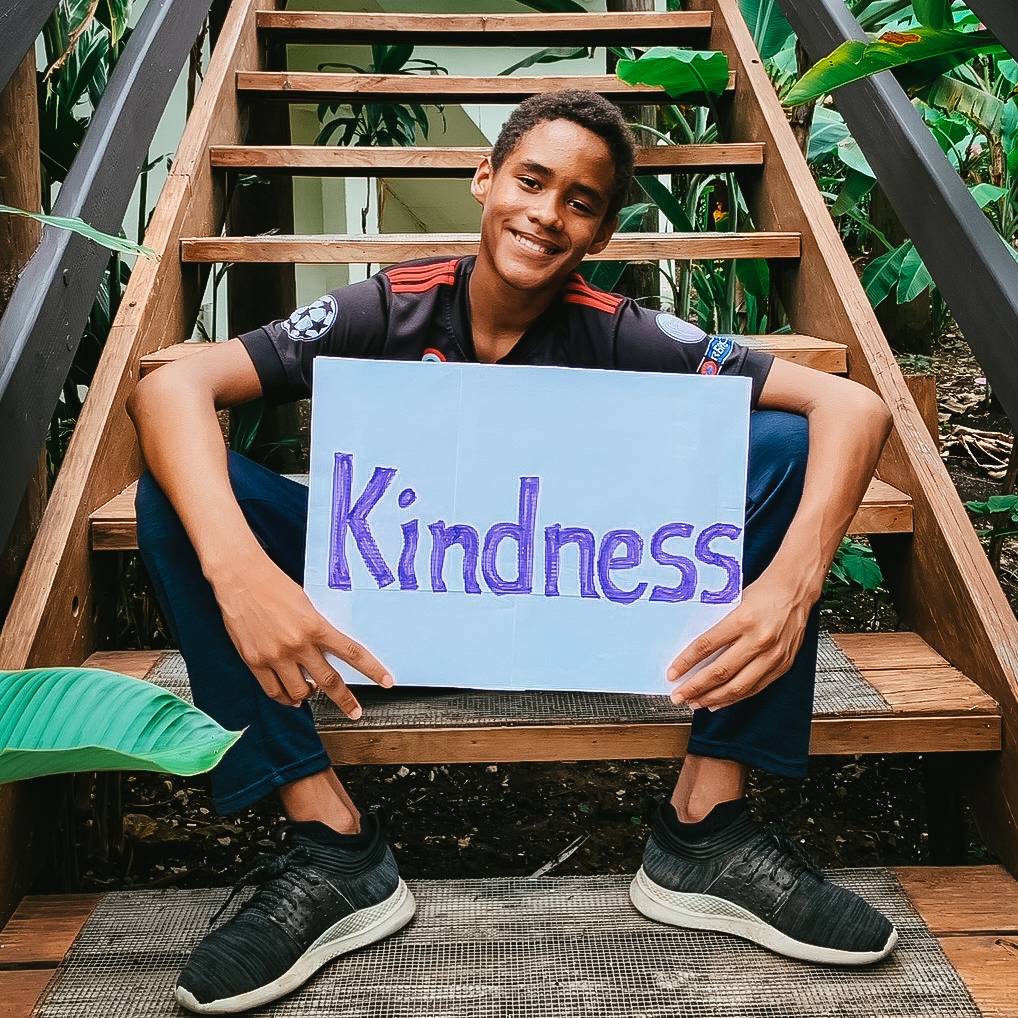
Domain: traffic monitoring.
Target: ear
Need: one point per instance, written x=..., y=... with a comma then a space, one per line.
x=481, y=180
x=603, y=235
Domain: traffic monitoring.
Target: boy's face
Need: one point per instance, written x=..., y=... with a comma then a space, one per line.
x=553, y=188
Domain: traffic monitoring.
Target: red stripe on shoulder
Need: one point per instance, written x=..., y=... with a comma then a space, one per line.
x=420, y=285
x=590, y=302
x=420, y=271
x=580, y=285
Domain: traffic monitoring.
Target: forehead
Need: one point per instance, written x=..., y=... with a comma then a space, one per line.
x=568, y=150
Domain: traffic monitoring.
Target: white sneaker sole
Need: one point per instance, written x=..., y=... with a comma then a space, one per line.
x=708, y=912
x=355, y=930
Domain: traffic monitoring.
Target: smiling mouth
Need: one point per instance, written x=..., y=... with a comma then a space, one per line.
x=534, y=247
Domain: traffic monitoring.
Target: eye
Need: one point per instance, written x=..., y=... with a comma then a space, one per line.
x=526, y=179
x=583, y=208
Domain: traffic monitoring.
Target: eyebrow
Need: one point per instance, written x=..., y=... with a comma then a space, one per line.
x=591, y=192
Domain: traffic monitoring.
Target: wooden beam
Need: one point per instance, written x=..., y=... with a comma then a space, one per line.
x=673, y=28
x=315, y=87
x=942, y=582
x=461, y=161
x=347, y=249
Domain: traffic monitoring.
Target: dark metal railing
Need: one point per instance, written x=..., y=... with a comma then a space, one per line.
x=43, y=323
x=21, y=22
x=963, y=252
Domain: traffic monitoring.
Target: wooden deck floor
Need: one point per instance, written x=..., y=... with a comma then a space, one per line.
x=972, y=910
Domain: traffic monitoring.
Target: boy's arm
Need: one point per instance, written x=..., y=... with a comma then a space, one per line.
x=848, y=425
x=269, y=618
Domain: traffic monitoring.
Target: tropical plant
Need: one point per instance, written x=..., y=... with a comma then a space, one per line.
x=65, y=720
x=854, y=564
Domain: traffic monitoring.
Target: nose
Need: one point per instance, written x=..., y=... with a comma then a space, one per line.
x=544, y=210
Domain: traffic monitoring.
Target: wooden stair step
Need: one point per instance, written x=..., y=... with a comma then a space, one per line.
x=387, y=249
x=571, y=924
x=458, y=161
x=320, y=86
x=884, y=510
x=820, y=354
x=930, y=707
x=675, y=28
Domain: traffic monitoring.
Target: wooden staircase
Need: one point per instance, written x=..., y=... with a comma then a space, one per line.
x=949, y=683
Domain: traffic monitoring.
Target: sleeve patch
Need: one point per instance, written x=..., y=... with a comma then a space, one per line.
x=675, y=328
x=313, y=321
x=719, y=349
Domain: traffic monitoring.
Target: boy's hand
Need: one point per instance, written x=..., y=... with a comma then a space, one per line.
x=278, y=631
x=757, y=642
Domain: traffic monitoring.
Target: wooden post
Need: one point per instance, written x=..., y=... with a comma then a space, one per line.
x=24, y=825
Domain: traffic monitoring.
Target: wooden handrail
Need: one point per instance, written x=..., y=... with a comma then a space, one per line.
x=43, y=323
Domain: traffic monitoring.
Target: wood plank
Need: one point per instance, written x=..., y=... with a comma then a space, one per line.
x=43, y=927
x=673, y=28
x=20, y=990
x=944, y=587
x=989, y=968
x=959, y=900
x=874, y=651
x=114, y=525
x=316, y=86
x=815, y=353
x=387, y=249
x=433, y=161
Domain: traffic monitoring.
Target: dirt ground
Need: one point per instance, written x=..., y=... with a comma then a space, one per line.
x=502, y=819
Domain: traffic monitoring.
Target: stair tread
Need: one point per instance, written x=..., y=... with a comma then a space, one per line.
x=884, y=510
x=902, y=697
x=494, y=926
x=820, y=354
x=389, y=248
x=460, y=160
x=323, y=86
x=483, y=29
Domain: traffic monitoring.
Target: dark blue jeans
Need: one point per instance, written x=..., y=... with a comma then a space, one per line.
x=769, y=730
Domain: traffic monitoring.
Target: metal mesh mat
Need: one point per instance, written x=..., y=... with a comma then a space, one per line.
x=552, y=947
x=840, y=689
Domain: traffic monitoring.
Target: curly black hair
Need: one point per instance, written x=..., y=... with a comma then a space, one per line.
x=583, y=107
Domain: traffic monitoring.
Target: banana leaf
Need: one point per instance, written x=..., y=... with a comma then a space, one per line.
x=62, y=720
x=79, y=226
x=853, y=60
x=679, y=72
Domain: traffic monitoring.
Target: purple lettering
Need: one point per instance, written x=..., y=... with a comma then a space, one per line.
x=556, y=536
x=730, y=565
x=522, y=532
x=606, y=562
x=685, y=566
x=407, y=575
x=442, y=538
x=407, y=497
x=355, y=519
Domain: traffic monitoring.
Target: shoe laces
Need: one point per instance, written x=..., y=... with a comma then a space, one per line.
x=284, y=876
x=779, y=851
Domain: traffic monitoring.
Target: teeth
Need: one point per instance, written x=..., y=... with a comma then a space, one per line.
x=532, y=245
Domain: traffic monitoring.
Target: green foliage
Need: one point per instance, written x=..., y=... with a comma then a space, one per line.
x=82, y=228
x=854, y=564
x=62, y=720
x=996, y=504
x=767, y=23
x=680, y=72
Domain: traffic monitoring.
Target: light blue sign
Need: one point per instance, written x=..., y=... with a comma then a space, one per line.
x=514, y=527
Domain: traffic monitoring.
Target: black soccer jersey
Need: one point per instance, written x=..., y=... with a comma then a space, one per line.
x=419, y=310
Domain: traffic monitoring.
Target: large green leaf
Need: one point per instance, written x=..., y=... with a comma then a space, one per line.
x=81, y=227
x=826, y=132
x=114, y=14
x=881, y=276
x=933, y=13
x=678, y=71
x=551, y=56
x=767, y=24
x=913, y=278
x=61, y=720
x=855, y=59
x=981, y=107
x=666, y=202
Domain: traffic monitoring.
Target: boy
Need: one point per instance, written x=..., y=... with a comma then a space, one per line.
x=226, y=561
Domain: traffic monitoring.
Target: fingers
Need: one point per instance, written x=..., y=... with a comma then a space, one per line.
x=717, y=673
x=293, y=682
x=719, y=635
x=744, y=683
x=355, y=654
x=271, y=685
x=331, y=683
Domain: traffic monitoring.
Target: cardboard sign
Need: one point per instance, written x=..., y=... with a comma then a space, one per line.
x=511, y=527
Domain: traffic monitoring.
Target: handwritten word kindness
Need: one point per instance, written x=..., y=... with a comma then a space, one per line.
x=606, y=567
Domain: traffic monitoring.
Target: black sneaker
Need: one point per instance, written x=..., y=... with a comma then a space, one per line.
x=316, y=901
x=750, y=880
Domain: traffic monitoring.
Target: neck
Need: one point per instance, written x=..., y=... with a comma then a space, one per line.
x=499, y=313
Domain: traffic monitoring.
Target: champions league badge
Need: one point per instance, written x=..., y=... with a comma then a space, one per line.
x=719, y=349
x=676, y=328
x=313, y=321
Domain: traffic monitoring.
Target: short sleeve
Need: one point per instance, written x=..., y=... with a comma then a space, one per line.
x=649, y=340
x=348, y=322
